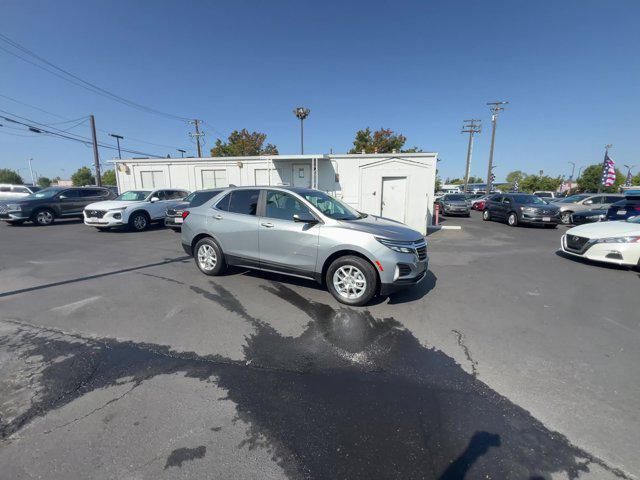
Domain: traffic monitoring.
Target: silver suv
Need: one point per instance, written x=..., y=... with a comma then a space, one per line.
x=305, y=233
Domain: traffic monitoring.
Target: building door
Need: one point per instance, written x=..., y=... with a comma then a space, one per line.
x=301, y=175
x=394, y=196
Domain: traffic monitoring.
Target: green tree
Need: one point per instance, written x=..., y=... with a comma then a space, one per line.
x=242, y=143
x=10, y=176
x=83, y=176
x=532, y=183
x=473, y=179
x=381, y=141
x=591, y=179
x=44, y=182
x=635, y=181
x=518, y=175
x=109, y=177
x=438, y=183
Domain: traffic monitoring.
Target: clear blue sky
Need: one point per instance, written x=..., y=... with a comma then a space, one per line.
x=570, y=69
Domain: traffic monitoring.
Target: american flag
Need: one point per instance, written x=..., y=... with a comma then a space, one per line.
x=608, y=171
x=629, y=178
x=515, y=185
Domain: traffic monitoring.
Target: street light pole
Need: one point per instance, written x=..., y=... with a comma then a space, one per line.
x=495, y=108
x=301, y=113
x=33, y=182
x=182, y=152
x=118, y=138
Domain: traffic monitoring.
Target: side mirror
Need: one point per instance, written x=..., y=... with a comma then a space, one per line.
x=62, y=197
x=588, y=202
x=154, y=199
x=304, y=218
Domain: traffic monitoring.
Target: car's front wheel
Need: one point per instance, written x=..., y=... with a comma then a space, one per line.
x=138, y=221
x=351, y=280
x=565, y=217
x=209, y=257
x=512, y=219
x=486, y=216
x=44, y=217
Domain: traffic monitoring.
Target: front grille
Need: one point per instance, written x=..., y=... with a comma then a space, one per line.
x=421, y=251
x=576, y=244
x=403, y=270
x=3, y=208
x=95, y=213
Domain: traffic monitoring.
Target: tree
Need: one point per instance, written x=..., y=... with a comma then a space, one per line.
x=635, y=180
x=532, y=183
x=242, y=143
x=10, y=176
x=83, y=176
x=438, y=185
x=473, y=179
x=109, y=177
x=44, y=182
x=382, y=141
x=591, y=179
x=518, y=175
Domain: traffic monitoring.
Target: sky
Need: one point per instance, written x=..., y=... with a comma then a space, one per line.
x=570, y=70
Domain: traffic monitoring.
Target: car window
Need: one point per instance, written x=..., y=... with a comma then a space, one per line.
x=244, y=201
x=594, y=200
x=199, y=198
x=160, y=194
x=5, y=189
x=283, y=206
x=93, y=192
x=21, y=189
x=611, y=199
x=70, y=193
x=506, y=200
x=224, y=203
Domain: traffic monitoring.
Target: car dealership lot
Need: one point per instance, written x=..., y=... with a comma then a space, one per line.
x=119, y=360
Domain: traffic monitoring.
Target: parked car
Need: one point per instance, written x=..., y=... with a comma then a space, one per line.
x=305, y=233
x=545, y=194
x=173, y=218
x=454, y=204
x=611, y=242
x=10, y=192
x=588, y=216
x=44, y=206
x=585, y=201
x=629, y=207
x=479, y=203
x=517, y=208
x=136, y=208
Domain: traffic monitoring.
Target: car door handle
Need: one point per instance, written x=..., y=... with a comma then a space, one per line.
x=268, y=225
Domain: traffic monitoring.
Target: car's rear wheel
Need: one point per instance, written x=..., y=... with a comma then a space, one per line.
x=512, y=219
x=209, y=257
x=44, y=217
x=486, y=216
x=565, y=217
x=351, y=280
x=138, y=221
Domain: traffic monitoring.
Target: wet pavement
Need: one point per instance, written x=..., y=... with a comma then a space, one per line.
x=303, y=388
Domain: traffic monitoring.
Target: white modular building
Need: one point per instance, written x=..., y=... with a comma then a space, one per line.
x=399, y=186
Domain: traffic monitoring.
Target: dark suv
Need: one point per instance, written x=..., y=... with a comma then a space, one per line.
x=44, y=206
x=518, y=208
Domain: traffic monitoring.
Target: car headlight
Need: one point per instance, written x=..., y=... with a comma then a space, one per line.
x=527, y=209
x=627, y=239
x=119, y=209
x=13, y=207
x=396, y=246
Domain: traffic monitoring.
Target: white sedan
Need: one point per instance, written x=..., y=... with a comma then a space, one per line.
x=135, y=208
x=610, y=242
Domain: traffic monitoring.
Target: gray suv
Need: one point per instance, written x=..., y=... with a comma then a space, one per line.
x=305, y=233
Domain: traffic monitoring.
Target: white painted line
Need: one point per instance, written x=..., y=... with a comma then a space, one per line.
x=451, y=227
x=72, y=307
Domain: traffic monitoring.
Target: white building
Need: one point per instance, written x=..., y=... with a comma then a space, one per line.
x=399, y=186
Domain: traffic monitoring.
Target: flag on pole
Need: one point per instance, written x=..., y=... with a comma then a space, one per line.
x=515, y=185
x=628, y=182
x=608, y=171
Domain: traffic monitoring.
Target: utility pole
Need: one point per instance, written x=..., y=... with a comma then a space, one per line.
x=495, y=108
x=118, y=138
x=33, y=182
x=471, y=127
x=196, y=123
x=301, y=113
x=96, y=157
x=182, y=152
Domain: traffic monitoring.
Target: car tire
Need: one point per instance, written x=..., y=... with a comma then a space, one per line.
x=139, y=221
x=44, y=217
x=486, y=215
x=358, y=279
x=512, y=219
x=565, y=217
x=209, y=257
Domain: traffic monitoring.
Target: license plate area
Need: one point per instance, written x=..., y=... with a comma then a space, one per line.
x=546, y=219
x=178, y=220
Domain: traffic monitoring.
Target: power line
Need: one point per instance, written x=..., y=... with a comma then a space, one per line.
x=78, y=81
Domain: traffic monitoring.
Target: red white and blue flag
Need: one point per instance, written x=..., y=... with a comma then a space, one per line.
x=629, y=179
x=608, y=171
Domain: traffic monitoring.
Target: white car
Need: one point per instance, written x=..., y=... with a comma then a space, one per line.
x=610, y=242
x=10, y=192
x=135, y=208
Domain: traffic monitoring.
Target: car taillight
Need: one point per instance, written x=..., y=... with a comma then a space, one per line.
x=637, y=209
x=185, y=214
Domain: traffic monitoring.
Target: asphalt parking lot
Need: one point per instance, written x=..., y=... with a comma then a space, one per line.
x=118, y=359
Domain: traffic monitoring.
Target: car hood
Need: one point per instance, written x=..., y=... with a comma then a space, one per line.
x=545, y=207
x=382, y=227
x=605, y=229
x=112, y=204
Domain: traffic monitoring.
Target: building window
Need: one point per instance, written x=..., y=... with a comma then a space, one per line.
x=214, y=178
x=152, y=179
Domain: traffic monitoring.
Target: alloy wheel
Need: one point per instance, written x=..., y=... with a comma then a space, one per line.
x=44, y=217
x=349, y=282
x=140, y=222
x=207, y=258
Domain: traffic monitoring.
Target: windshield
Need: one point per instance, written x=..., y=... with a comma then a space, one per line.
x=133, y=195
x=528, y=199
x=574, y=198
x=44, y=193
x=455, y=198
x=331, y=207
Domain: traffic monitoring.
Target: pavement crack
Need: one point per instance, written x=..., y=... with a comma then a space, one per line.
x=474, y=364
